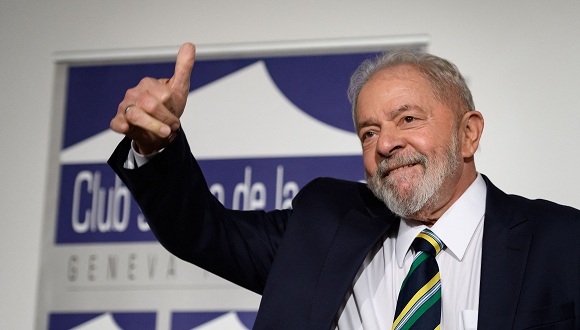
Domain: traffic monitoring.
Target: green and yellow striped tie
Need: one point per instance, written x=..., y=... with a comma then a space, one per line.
x=419, y=302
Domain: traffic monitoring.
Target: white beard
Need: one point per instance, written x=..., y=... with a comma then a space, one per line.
x=425, y=191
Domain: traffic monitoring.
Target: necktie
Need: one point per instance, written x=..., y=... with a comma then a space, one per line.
x=419, y=302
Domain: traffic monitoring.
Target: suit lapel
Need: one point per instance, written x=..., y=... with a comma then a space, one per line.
x=353, y=240
x=506, y=242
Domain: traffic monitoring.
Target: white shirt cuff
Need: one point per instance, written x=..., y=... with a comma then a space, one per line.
x=136, y=160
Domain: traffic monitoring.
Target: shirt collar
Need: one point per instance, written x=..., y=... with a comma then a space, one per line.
x=455, y=227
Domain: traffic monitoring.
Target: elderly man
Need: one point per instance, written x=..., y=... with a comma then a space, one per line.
x=432, y=244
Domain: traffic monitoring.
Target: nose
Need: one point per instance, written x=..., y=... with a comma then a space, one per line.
x=389, y=143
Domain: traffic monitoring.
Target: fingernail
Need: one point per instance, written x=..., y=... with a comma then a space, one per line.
x=165, y=130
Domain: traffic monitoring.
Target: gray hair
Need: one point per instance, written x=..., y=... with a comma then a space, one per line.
x=447, y=84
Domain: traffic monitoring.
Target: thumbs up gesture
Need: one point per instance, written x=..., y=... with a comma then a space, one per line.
x=149, y=114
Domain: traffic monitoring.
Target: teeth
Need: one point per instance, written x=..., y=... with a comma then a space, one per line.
x=400, y=168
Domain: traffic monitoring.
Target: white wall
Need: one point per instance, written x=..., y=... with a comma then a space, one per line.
x=520, y=57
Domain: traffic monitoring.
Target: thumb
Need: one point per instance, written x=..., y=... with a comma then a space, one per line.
x=183, y=65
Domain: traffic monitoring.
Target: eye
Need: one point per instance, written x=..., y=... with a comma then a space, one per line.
x=367, y=135
x=408, y=119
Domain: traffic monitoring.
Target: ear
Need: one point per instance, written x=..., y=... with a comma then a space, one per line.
x=472, y=128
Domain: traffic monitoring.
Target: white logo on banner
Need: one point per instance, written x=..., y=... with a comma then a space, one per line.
x=217, y=128
x=228, y=321
x=102, y=322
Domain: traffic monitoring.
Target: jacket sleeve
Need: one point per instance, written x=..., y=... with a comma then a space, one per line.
x=193, y=225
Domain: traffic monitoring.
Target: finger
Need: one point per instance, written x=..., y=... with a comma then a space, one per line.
x=152, y=98
x=138, y=117
x=159, y=109
x=119, y=124
x=157, y=88
x=183, y=65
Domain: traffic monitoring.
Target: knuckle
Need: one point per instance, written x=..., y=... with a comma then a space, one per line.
x=132, y=93
x=148, y=103
x=166, y=95
x=147, y=81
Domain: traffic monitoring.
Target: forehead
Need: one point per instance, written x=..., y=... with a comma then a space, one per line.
x=401, y=83
x=400, y=73
x=395, y=91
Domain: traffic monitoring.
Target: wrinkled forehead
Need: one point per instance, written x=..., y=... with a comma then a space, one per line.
x=443, y=93
x=401, y=79
x=405, y=72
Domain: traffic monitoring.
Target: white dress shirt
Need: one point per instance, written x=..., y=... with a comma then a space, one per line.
x=372, y=299
x=136, y=160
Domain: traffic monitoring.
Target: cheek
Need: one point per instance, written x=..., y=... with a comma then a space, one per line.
x=423, y=141
x=370, y=162
x=429, y=143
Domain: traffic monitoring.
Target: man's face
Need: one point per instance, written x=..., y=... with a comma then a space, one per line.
x=410, y=143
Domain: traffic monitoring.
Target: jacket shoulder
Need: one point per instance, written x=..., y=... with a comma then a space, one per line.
x=543, y=214
x=336, y=193
x=557, y=214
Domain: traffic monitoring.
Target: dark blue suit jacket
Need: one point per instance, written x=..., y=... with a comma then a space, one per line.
x=303, y=261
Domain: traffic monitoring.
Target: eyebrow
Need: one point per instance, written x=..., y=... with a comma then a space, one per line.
x=391, y=115
x=365, y=123
x=402, y=109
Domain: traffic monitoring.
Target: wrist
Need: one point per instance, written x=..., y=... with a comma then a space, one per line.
x=150, y=149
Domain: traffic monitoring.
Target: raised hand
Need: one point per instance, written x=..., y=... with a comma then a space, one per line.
x=149, y=114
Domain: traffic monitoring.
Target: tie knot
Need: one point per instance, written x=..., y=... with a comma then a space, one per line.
x=428, y=242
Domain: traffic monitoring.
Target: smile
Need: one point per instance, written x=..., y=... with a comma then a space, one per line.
x=399, y=168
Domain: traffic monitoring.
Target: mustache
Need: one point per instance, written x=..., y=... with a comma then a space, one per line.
x=386, y=165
